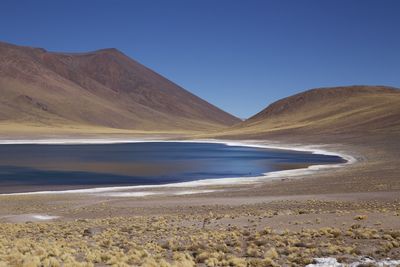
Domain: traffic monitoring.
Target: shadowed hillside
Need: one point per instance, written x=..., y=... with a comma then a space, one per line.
x=104, y=88
x=339, y=111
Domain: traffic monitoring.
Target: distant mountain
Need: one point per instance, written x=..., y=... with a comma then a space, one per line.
x=337, y=111
x=104, y=88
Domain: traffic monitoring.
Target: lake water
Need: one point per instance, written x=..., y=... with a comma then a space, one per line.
x=26, y=168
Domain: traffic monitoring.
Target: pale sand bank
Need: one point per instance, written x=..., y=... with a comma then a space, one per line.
x=20, y=218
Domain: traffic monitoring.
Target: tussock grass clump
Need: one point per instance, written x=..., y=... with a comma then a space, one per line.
x=360, y=217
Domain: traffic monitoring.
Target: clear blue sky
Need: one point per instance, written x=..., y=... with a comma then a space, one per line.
x=238, y=55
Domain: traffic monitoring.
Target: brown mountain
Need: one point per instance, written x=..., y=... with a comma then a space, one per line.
x=104, y=88
x=339, y=111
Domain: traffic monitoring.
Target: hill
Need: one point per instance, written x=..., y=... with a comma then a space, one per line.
x=338, y=111
x=103, y=89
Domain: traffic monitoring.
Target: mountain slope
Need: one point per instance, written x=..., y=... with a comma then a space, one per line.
x=104, y=88
x=355, y=110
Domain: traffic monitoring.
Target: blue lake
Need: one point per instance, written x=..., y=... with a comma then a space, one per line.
x=26, y=168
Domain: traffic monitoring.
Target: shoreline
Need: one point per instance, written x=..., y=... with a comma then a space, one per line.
x=345, y=212
x=126, y=191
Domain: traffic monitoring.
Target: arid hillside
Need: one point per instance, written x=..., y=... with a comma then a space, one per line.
x=338, y=111
x=100, y=89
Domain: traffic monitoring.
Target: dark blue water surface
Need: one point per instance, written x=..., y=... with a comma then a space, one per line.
x=55, y=167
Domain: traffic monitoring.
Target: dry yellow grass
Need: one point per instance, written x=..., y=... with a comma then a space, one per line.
x=180, y=239
x=36, y=130
x=356, y=110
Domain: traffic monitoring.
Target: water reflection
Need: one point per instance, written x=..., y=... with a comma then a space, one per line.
x=27, y=167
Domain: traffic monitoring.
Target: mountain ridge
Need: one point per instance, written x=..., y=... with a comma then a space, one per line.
x=322, y=112
x=99, y=88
